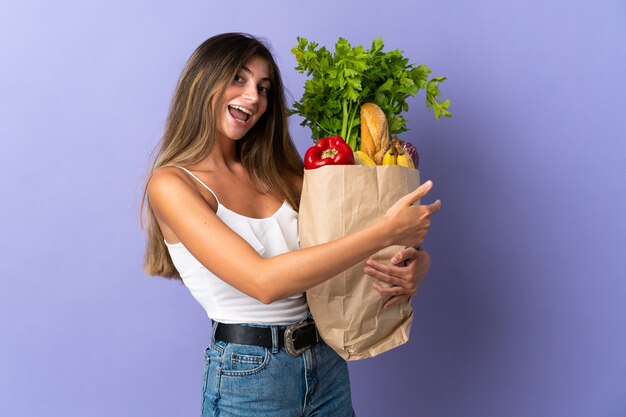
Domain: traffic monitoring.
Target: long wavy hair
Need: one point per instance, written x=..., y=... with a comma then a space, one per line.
x=266, y=151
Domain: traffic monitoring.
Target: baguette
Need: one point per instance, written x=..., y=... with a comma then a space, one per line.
x=374, y=132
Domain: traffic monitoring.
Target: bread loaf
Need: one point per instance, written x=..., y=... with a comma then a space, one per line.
x=374, y=132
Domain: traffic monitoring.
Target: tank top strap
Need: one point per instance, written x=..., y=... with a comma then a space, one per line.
x=200, y=181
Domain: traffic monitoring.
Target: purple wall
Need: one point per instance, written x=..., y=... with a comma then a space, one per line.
x=524, y=311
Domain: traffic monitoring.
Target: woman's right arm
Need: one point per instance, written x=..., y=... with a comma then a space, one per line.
x=183, y=209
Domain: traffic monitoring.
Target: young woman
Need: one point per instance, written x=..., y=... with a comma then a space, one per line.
x=221, y=215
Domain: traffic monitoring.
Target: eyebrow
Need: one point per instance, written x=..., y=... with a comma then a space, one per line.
x=246, y=69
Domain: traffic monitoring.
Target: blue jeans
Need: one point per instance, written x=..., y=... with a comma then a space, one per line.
x=254, y=381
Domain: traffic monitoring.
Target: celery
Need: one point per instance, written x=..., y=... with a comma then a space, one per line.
x=340, y=82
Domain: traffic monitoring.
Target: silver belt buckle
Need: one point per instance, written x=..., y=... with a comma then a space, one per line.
x=289, y=339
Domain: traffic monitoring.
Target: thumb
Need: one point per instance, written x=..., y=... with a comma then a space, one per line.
x=434, y=207
x=397, y=258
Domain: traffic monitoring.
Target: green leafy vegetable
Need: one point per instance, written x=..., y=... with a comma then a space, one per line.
x=341, y=81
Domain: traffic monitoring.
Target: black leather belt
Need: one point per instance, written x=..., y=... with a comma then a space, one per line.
x=295, y=338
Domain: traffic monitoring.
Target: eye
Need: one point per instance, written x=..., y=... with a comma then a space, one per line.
x=238, y=79
x=263, y=90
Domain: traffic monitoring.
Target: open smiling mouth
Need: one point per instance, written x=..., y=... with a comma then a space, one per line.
x=239, y=113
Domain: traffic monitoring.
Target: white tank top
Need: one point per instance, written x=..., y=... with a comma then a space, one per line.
x=224, y=303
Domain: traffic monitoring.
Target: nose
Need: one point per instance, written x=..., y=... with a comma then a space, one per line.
x=251, y=94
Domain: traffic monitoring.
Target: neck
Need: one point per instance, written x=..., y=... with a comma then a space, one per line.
x=223, y=156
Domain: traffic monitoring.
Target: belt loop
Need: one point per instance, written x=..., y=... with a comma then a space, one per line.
x=214, y=325
x=275, y=341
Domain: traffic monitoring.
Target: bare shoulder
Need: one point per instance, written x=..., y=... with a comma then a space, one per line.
x=171, y=186
x=165, y=180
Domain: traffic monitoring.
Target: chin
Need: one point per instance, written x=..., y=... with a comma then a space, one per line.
x=232, y=135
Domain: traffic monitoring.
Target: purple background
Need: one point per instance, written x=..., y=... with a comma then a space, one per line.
x=524, y=311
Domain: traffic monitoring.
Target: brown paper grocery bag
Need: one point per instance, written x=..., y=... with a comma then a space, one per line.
x=337, y=200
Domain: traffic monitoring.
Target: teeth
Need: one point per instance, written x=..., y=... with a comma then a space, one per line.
x=243, y=109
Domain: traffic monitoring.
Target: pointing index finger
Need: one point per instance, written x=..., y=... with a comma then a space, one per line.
x=419, y=192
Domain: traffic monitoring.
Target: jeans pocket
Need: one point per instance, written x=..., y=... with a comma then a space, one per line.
x=244, y=360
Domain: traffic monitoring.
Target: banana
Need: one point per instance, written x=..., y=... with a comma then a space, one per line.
x=404, y=159
x=395, y=155
x=364, y=158
x=391, y=156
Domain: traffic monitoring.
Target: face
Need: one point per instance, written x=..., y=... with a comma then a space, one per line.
x=245, y=99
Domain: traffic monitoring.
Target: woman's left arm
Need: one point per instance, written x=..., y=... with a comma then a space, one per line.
x=406, y=270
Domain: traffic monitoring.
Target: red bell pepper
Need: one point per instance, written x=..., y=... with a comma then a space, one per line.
x=328, y=151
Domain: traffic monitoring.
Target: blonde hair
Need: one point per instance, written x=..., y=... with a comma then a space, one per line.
x=266, y=151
